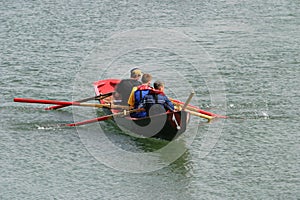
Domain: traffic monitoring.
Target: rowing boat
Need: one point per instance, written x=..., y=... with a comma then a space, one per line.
x=166, y=126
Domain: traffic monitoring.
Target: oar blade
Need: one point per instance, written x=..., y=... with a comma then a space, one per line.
x=103, y=118
x=196, y=109
x=209, y=118
x=42, y=101
x=107, y=117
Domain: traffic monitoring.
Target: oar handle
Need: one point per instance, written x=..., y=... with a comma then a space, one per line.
x=188, y=100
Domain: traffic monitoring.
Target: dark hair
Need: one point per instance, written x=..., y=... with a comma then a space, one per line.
x=158, y=84
x=146, y=78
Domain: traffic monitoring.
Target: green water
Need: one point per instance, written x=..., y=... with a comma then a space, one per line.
x=241, y=57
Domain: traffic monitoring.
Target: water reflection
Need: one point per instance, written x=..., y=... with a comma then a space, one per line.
x=175, y=153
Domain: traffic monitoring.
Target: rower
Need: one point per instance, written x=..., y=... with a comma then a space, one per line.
x=137, y=94
x=124, y=88
x=156, y=102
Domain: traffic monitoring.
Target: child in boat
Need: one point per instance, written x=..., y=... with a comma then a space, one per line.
x=156, y=102
x=124, y=88
x=137, y=94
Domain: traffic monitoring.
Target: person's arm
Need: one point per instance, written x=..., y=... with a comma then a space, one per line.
x=131, y=97
x=168, y=104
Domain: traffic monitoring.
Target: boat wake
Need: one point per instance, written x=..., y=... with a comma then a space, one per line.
x=48, y=127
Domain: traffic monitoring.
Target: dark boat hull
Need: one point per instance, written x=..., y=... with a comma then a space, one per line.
x=166, y=126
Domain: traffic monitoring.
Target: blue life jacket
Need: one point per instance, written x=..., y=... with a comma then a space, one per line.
x=139, y=95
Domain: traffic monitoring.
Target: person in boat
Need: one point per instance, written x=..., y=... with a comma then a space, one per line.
x=156, y=102
x=123, y=89
x=137, y=94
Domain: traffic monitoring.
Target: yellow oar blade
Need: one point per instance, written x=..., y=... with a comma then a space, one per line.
x=209, y=118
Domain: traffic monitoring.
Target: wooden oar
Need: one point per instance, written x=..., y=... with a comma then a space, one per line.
x=100, y=97
x=196, y=109
x=185, y=108
x=103, y=118
x=188, y=101
x=67, y=103
x=209, y=118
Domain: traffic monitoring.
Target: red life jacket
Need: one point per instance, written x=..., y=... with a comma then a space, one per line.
x=144, y=87
x=154, y=91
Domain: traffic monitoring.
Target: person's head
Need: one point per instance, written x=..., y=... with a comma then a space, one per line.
x=135, y=73
x=146, y=79
x=159, y=85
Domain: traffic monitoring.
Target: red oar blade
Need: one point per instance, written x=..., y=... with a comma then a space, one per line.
x=43, y=101
x=103, y=118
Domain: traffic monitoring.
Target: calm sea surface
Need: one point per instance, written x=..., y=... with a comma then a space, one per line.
x=242, y=58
